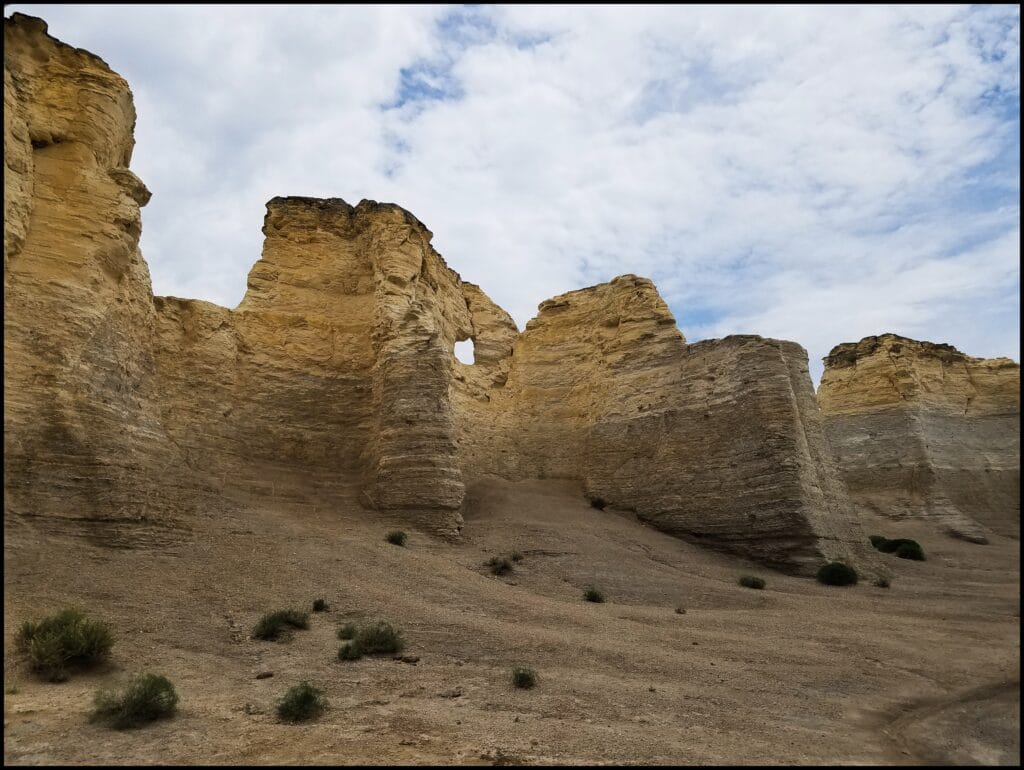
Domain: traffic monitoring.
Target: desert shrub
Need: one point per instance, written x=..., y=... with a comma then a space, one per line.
x=301, y=703
x=680, y=610
x=319, y=605
x=881, y=583
x=516, y=556
x=146, y=698
x=910, y=549
x=350, y=651
x=395, y=537
x=523, y=677
x=272, y=624
x=378, y=637
x=835, y=573
x=749, y=581
x=347, y=631
x=67, y=639
x=598, y=502
x=592, y=594
x=878, y=541
x=499, y=565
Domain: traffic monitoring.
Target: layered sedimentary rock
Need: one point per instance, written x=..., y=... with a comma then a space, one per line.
x=331, y=376
x=720, y=441
x=923, y=430
x=83, y=438
x=334, y=383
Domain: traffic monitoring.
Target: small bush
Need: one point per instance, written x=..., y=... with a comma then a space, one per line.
x=878, y=541
x=63, y=640
x=379, y=637
x=272, y=624
x=301, y=703
x=835, y=573
x=900, y=546
x=516, y=556
x=910, y=549
x=395, y=537
x=350, y=651
x=499, y=565
x=598, y=502
x=680, y=610
x=592, y=594
x=319, y=605
x=881, y=583
x=749, y=581
x=347, y=631
x=523, y=677
x=146, y=698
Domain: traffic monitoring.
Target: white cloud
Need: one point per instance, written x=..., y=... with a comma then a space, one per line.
x=817, y=174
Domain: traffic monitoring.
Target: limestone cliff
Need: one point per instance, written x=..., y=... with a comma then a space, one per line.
x=720, y=441
x=84, y=446
x=331, y=376
x=333, y=383
x=923, y=430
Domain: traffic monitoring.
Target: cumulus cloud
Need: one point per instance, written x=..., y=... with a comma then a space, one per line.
x=816, y=174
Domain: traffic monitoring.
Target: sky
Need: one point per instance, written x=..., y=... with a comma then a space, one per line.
x=818, y=174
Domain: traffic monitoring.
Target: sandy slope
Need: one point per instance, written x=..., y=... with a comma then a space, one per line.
x=927, y=670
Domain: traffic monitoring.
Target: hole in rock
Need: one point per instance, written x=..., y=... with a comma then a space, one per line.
x=464, y=351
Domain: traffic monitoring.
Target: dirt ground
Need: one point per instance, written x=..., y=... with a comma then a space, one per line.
x=926, y=671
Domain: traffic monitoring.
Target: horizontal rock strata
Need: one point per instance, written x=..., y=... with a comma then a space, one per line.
x=333, y=383
x=923, y=430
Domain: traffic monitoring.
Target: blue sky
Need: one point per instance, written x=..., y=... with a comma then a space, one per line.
x=817, y=174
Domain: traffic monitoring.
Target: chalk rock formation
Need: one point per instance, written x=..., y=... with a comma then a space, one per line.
x=923, y=430
x=720, y=441
x=333, y=383
x=83, y=438
x=332, y=375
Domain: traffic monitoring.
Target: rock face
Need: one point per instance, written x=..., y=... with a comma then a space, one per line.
x=334, y=383
x=923, y=430
x=84, y=445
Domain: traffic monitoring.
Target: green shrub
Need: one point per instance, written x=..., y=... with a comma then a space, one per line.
x=749, y=581
x=147, y=698
x=347, y=631
x=499, y=565
x=272, y=624
x=395, y=537
x=378, y=637
x=523, y=677
x=835, y=573
x=881, y=583
x=516, y=556
x=878, y=541
x=319, y=605
x=350, y=651
x=301, y=703
x=67, y=639
x=592, y=594
x=910, y=549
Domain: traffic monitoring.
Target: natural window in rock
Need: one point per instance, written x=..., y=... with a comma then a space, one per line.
x=464, y=351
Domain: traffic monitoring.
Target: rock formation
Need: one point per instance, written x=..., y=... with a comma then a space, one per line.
x=334, y=383
x=83, y=437
x=923, y=430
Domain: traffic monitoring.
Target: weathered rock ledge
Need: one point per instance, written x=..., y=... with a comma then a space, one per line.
x=333, y=383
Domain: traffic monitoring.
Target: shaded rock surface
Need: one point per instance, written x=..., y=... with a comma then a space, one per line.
x=333, y=383
x=922, y=430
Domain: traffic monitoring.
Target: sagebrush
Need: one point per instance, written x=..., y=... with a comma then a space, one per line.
x=68, y=639
x=301, y=703
x=146, y=698
x=273, y=624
